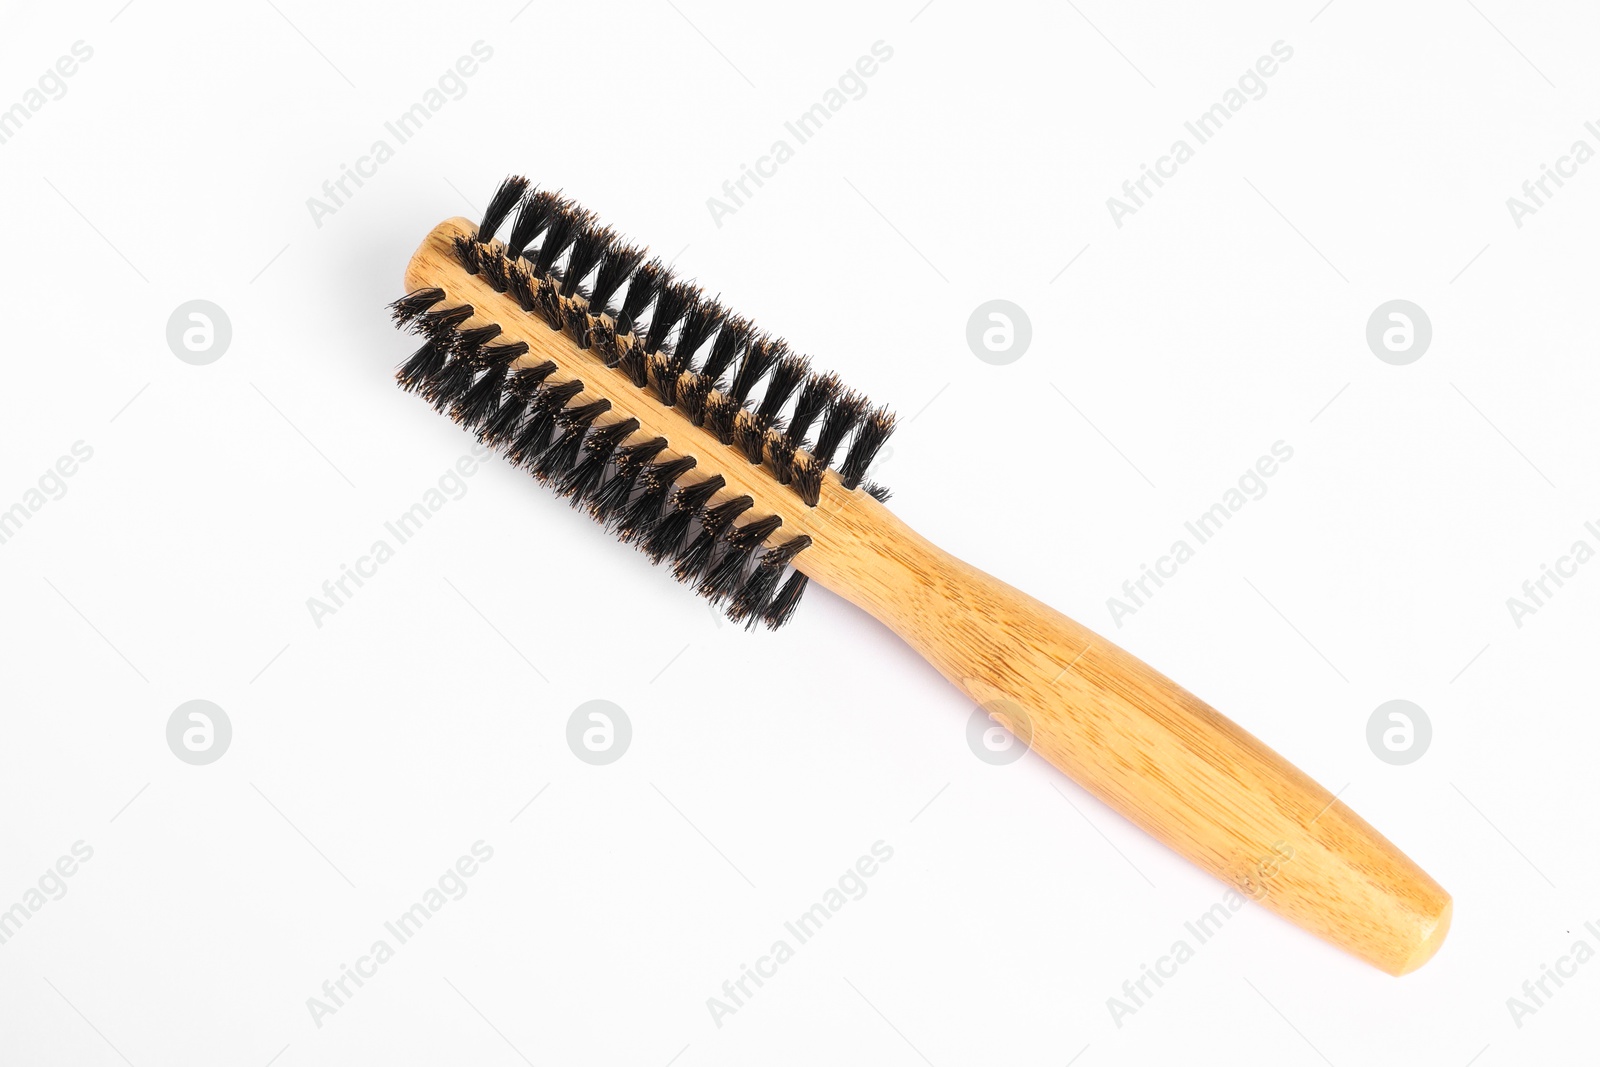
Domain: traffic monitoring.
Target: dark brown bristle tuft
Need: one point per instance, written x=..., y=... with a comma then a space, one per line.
x=586, y=251
x=693, y=392
x=721, y=411
x=411, y=305
x=615, y=266
x=547, y=303
x=869, y=439
x=785, y=378
x=534, y=215
x=758, y=358
x=564, y=227
x=671, y=302
x=426, y=362
x=467, y=254
x=496, y=270
x=641, y=290
x=729, y=345
x=782, y=606
x=844, y=412
x=505, y=198
x=750, y=434
x=442, y=323
x=807, y=479
x=815, y=397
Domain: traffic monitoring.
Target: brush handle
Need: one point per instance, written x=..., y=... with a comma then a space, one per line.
x=1146, y=747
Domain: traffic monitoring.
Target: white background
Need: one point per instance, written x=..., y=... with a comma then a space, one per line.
x=369, y=753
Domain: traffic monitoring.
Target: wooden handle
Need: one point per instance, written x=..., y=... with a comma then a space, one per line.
x=1163, y=758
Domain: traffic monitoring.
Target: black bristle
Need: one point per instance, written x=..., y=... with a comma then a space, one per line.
x=535, y=213
x=818, y=391
x=413, y=304
x=635, y=457
x=446, y=388
x=844, y=412
x=423, y=364
x=660, y=375
x=780, y=456
x=806, y=479
x=563, y=453
x=636, y=518
x=721, y=410
x=505, y=354
x=682, y=358
x=643, y=513
x=563, y=228
x=547, y=302
x=519, y=283
x=467, y=342
x=694, y=497
x=578, y=325
x=503, y=423
x=880, y=493
x=603, y=339
x=720, y=516
x=671, y=302
x=466, y=250
x=782, y=555
x=758, y=358
x=479, y=404
x=520, y=390
x=754, y=593
x=694, y=559
x=615, y=266
x=584, y=479
x=693, y=390
x=500, y=205
x=667, y=536
x=869, y=438
x=750, y=434
x=493, y=266
x=725, y=575
x=781, y=384
x=670, y=376
x=753, y=532
x=699, y=322
x=534, y=436
x=782, y=606
x=441, y=323
x=726, y=578
x=633, y=363
x=613, y=495
x=526, y=382
x=587, y=249
x=584, y=416
x=641, y=290
x=728, y=346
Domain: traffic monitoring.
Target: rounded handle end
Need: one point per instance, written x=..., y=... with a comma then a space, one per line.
x=1431, y=940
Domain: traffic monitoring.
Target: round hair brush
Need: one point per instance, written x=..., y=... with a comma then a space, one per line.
x=713, y=448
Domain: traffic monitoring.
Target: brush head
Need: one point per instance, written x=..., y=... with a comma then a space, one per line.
x=674, y=422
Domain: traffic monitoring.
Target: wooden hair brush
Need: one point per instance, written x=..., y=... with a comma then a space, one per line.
x=710, y=445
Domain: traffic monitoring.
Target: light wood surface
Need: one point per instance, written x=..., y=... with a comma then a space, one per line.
x=1149, y=749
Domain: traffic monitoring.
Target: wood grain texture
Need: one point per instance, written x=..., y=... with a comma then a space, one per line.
x=1145, y=746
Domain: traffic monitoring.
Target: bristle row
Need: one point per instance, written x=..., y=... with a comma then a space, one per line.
x=719, y=390
x=590, y=460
